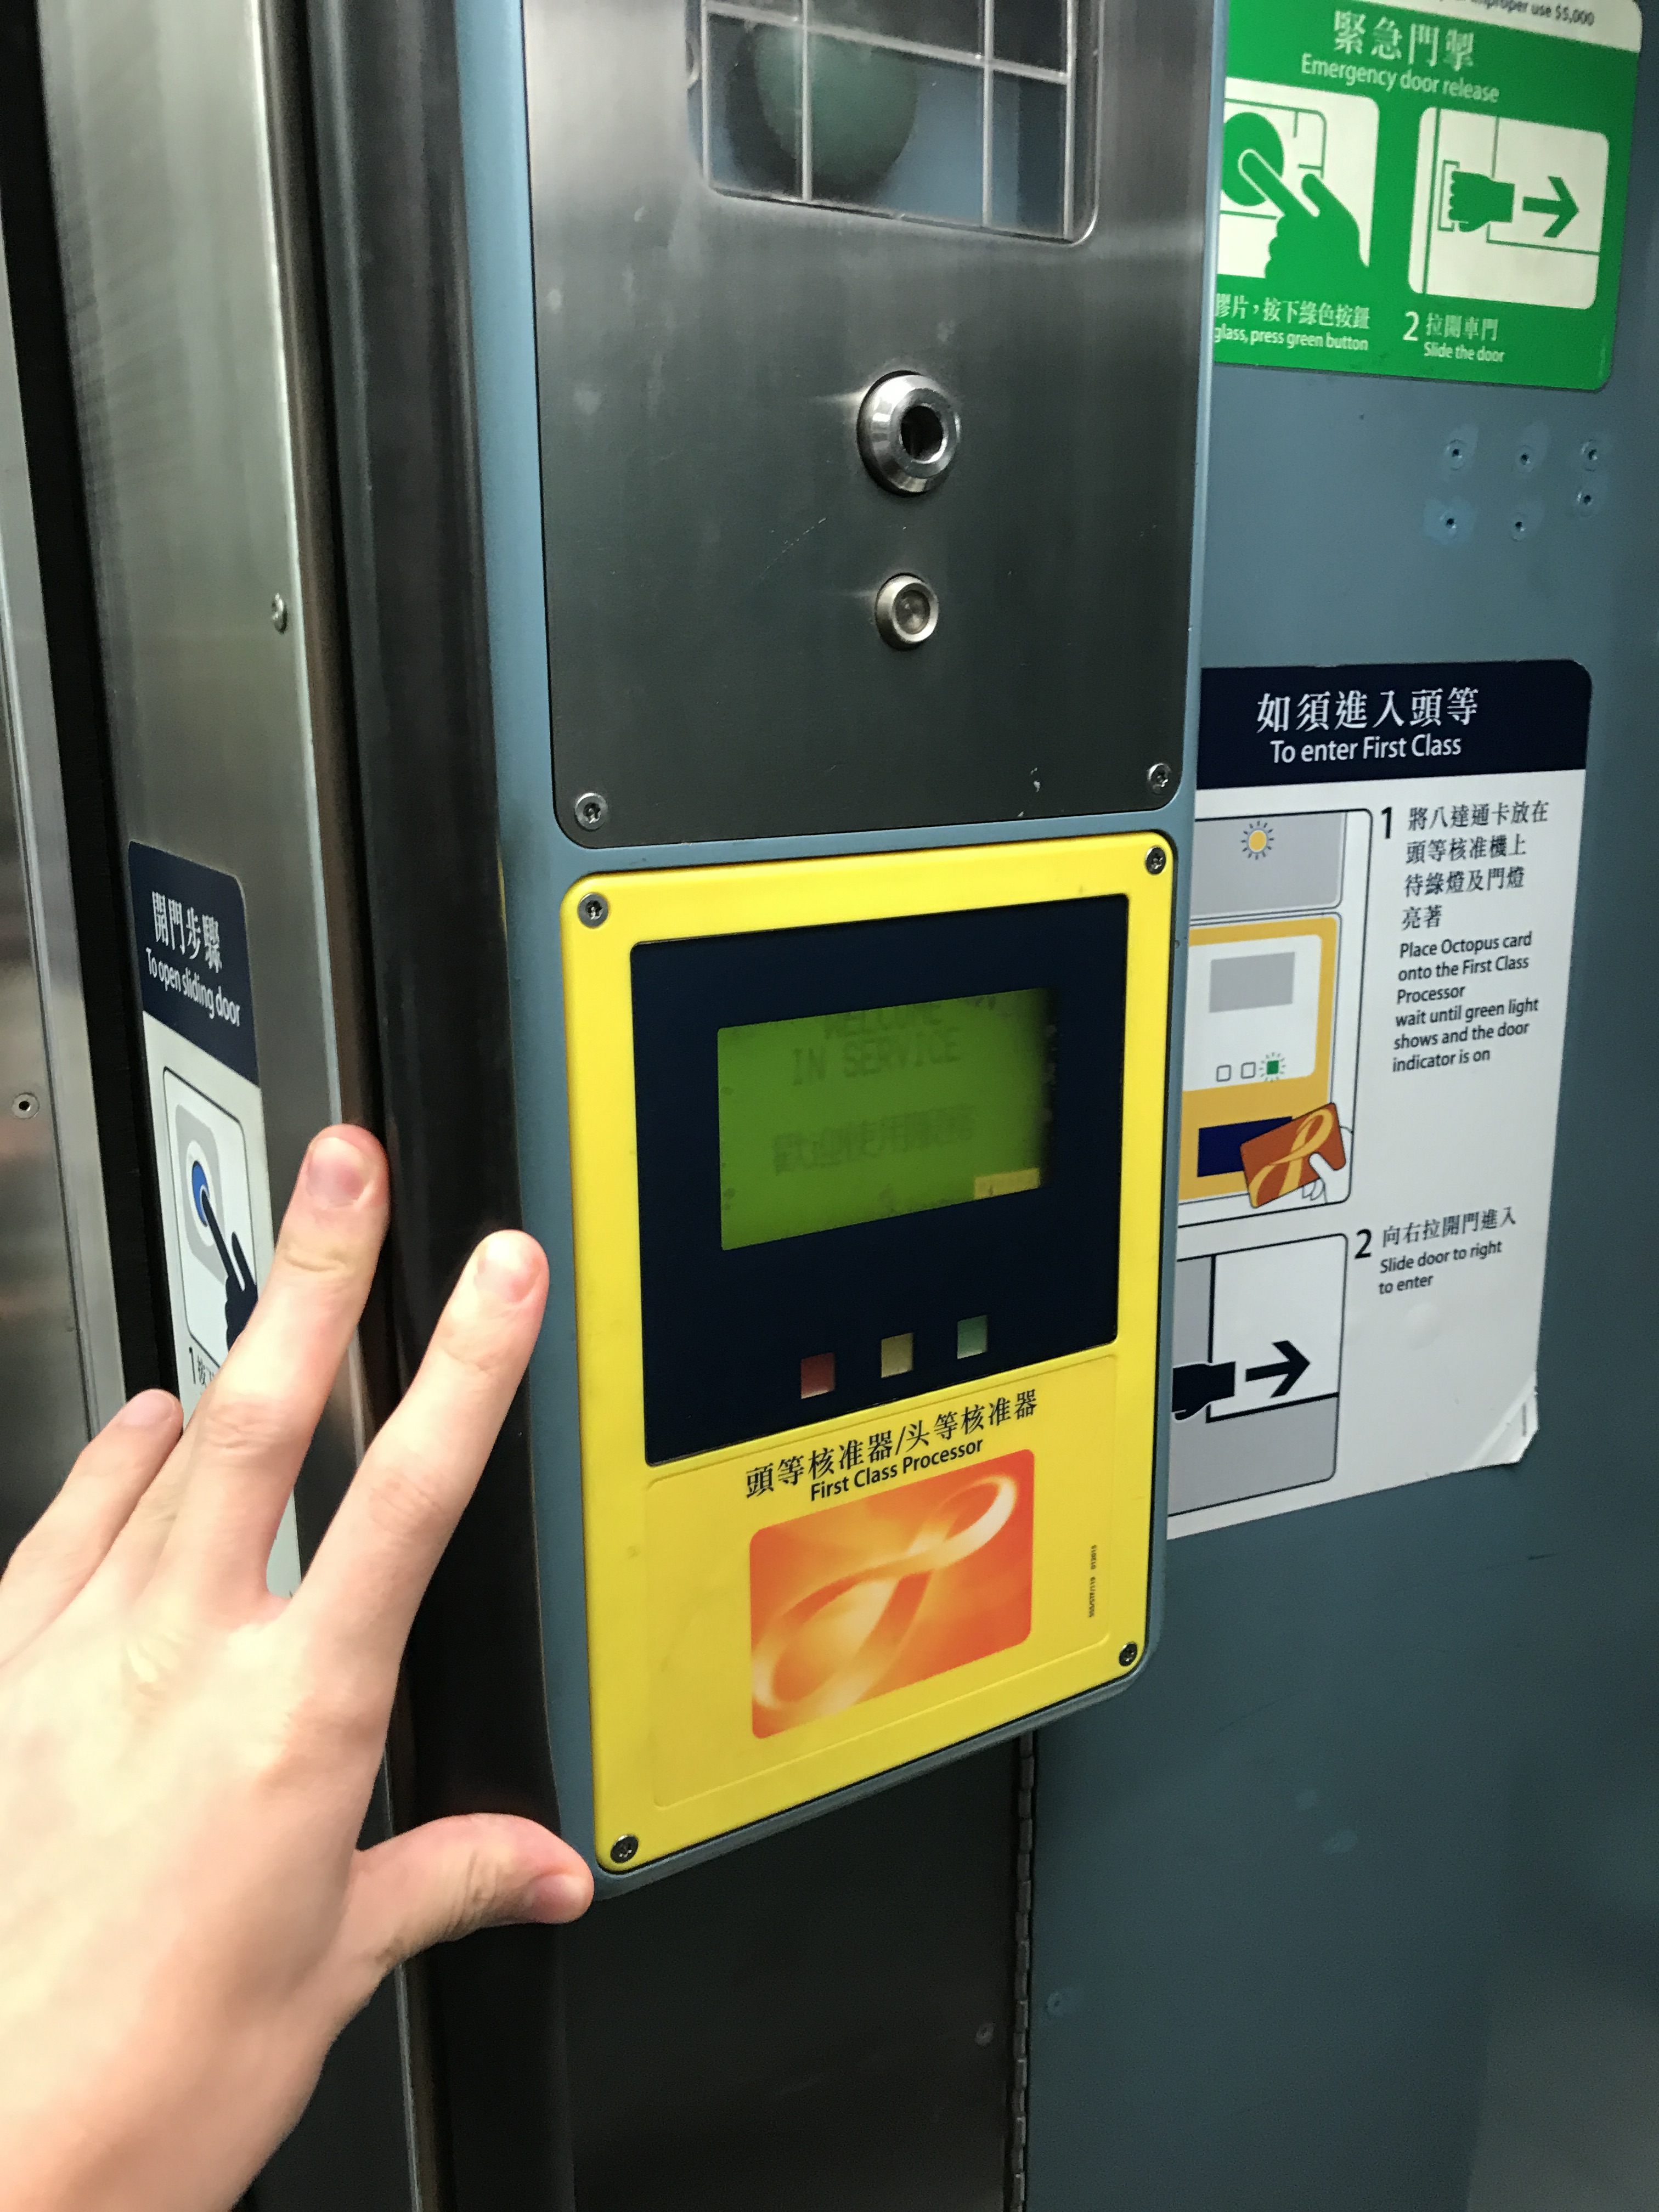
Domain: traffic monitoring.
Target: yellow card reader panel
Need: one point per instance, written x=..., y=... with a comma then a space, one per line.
x=867, y=1161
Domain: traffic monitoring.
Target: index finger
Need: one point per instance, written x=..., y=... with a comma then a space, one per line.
x=1267, y=179
x=357, y=1600
x=211, y=1515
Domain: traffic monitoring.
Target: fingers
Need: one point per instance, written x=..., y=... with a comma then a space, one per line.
x=1265, y=179
x=359, y=1596
x=58, y=1557
x=452, y=1877
x=249, y=1435
x=1320, y=193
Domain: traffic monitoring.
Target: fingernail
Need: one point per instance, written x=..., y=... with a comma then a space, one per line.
x=506, y=1269
x=150, y=1409
x=336, y=1172
x=559, y=1897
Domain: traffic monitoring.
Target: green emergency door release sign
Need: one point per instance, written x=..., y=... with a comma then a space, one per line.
x=1434, y=191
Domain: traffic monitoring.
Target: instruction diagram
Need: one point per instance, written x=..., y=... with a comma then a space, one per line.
x=1258, y=1367
x=1299, y=175
x=1508, y=210
x=1276, y=954
x=214, y=1210
x=1384, y=865
x=1434, y=193
x=207, y=1120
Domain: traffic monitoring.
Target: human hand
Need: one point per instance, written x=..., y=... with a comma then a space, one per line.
x=185, y=1922
x=1312, y=244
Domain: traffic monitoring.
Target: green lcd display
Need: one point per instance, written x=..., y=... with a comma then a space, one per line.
x=839, y=1118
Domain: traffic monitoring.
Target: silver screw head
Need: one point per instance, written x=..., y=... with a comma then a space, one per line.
x=593, y=909
x=592, y=809
x=907, y=612
x=625, y=1848
x=1160, y=777
x=26, y=1105
x=1157, y=859
x=278, y=612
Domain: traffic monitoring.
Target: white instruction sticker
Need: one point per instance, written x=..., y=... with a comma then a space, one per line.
x=207, y=1118
x=1384, y=867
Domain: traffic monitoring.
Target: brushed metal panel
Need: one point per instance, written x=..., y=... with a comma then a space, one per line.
x=183, y=230
x=713, y=541
x=60, y=1361
x=40, y=1379
x=192, y=411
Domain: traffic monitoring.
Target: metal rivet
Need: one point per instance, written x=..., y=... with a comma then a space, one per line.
x=625, y=1848
x=26, y=1105
x=278, y=611
x=593, y=909
x=1160, y=776
x=1590, y=453
x=1585, y=499
x=984, y=2033
x=1129, y=1654
x=592, y=809
x=1157, y=859
x=906, y=611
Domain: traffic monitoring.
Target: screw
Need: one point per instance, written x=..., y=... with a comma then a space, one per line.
x=1590, y=453
x=592, y=809
x=278, y=612
x=1584, y=500
x=26, y=1105
x=1157, y=859
x=983, y=2033
x=1129, y=1654
x=1160, y=776
x=625, y=1848
x=592, y=910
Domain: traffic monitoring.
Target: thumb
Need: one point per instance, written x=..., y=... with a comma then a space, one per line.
x=450, y=1877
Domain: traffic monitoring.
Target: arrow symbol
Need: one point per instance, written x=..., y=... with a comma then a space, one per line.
x=1563, y=207
x=1292, y=1367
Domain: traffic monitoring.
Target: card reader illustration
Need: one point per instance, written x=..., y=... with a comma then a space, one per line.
x=1273, y=1011
x=214, y=1216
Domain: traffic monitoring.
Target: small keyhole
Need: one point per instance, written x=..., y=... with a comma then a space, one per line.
x=922, y=434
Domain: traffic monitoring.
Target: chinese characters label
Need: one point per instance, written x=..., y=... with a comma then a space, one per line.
x=906, y=1447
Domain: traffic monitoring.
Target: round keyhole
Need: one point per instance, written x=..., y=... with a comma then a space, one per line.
x=920, y=432
x=909, y=431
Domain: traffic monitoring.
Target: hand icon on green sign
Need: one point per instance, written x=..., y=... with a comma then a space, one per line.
x=1316, y=245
